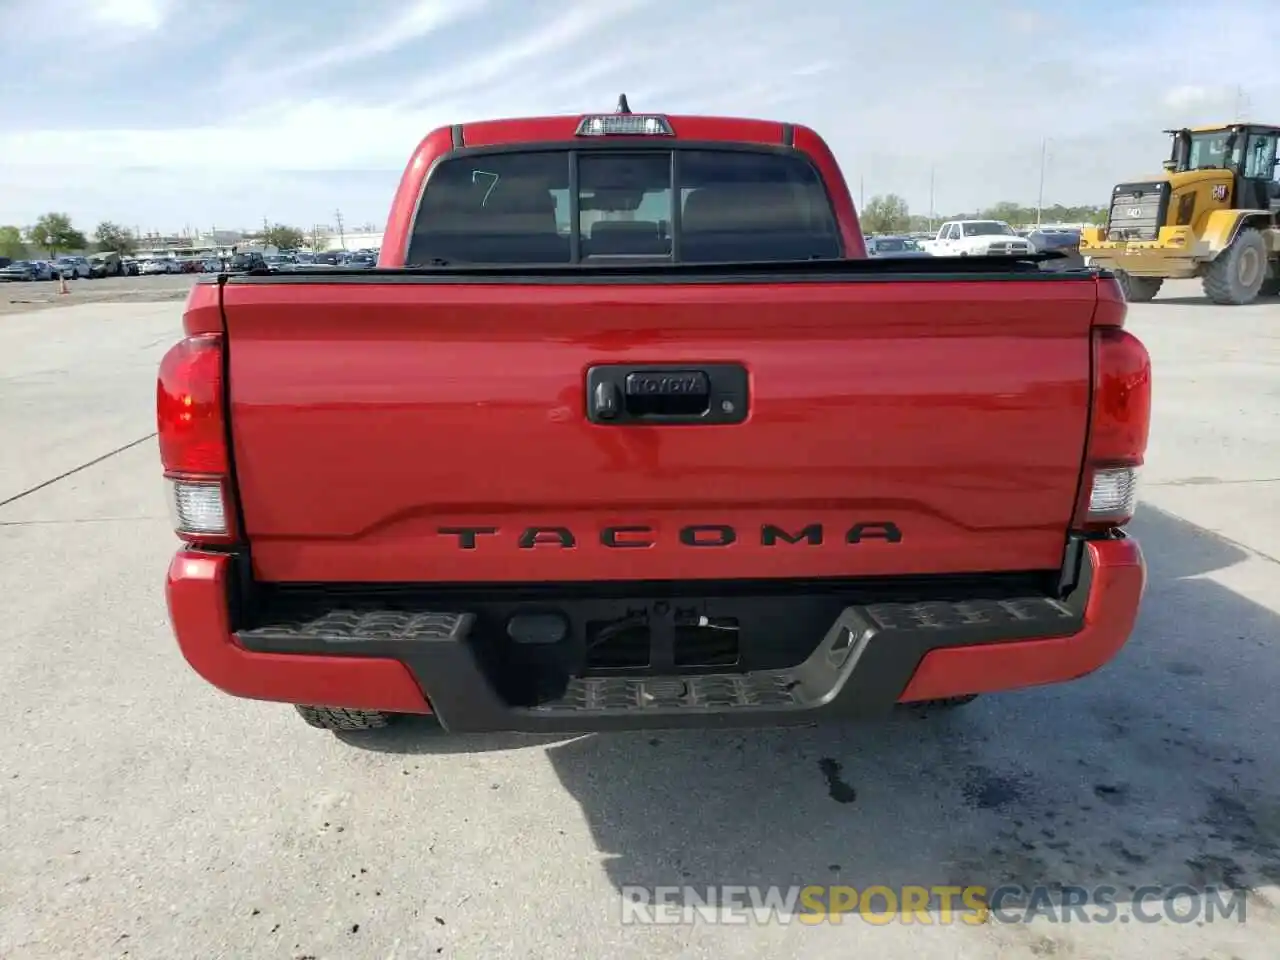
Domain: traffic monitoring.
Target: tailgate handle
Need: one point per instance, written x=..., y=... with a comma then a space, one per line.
x=644, y=394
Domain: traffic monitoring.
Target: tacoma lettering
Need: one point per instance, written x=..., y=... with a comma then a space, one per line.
x=873, y=531
x=533, y=536
x=700, y=535
x=708, y=535
x=770, y=535
x=626, y=537
x=466, y=535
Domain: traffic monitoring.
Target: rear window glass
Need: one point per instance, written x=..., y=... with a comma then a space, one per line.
x=730, y=205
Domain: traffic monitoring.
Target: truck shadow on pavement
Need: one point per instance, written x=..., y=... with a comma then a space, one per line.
x=1161, y=769
x=1206, y=302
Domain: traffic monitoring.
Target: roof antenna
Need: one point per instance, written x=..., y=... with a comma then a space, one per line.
x=622, y=105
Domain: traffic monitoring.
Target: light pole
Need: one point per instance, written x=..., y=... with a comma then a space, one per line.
x=1044, y=158
x=931, y=207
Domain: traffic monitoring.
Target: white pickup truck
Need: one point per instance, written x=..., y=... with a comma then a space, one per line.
x=976, y=238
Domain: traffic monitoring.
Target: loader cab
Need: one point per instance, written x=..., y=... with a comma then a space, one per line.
x=1237, y=163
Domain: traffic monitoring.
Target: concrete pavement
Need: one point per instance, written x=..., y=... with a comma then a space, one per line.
x=145, y=815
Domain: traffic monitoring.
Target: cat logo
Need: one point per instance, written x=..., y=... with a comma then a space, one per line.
x=1220, y=191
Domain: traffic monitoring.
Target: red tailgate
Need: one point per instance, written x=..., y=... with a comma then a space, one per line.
x=941, y=423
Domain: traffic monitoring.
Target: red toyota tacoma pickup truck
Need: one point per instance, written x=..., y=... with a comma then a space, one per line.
x=626, y=430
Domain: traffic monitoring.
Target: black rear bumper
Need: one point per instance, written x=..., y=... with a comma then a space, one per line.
x=818, y=651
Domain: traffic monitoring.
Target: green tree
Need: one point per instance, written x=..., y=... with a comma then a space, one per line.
x=113, y=237
x=1016, y=215
x=283, y=237
x=886, y=214
x=11, y=243
x=54, y=232
x=1009, y=212
x=1019, y=216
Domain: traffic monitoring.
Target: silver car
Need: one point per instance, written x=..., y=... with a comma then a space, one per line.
x=157, y=265
x=72, y=268
x=20, y=270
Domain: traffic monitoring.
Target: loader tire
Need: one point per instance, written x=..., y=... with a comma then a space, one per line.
x=1236, y=277
x=1139, y=289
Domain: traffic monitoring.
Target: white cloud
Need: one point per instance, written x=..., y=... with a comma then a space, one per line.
x=406, y=26
x=144, y=15
x=1180, y=98
x=1223, y=102
x=536, y=55
x=898, y=89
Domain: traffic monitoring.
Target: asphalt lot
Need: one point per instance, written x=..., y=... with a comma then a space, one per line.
x=145, y=815
x=43, y=295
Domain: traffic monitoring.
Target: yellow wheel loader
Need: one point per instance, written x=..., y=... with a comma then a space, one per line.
x=1214, y=214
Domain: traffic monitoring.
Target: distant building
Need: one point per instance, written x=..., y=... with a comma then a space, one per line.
x=349, y=241
x=216, y=243
x=355, y=236
x=219, y=242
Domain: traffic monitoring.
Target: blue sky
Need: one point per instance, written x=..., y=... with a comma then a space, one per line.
x=162, y=114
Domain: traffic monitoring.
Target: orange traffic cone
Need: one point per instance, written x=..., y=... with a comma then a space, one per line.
x=62, y=284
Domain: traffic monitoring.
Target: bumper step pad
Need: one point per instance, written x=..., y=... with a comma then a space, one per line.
x=773, y=688
x=860, y=666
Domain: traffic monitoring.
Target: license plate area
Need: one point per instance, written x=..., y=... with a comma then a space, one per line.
x=663, y=635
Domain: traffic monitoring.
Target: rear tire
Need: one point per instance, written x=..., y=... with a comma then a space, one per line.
x=1139, y=289
x=1237, y=276
x=926, y=707
x=950, y=703
x=337, y=718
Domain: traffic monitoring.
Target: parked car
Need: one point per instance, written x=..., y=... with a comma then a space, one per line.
x=131, y=266
x=19, y=270
x=44, y=270
x=977, y=238
x=159, y=265
x=894, y=247
x=1061, y=240
x=72, y=268
x=106, y=264
x=212, y=265
x=250, y=260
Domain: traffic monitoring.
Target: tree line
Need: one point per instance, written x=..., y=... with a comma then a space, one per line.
x=54, y=234
x=889, y=213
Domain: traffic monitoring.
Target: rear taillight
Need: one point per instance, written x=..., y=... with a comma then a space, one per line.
x=192, y=430
x=1119, y=423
